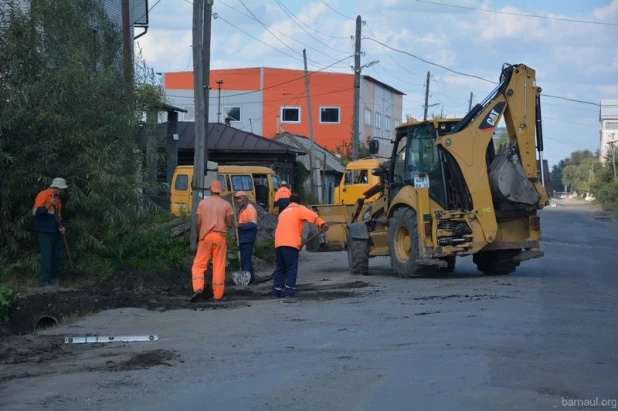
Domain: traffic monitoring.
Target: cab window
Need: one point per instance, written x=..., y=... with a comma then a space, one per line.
x=347, y=178
x=182, y=182
x=244, y=183
x=276, y=183
x=362, y=177
x=222, y=181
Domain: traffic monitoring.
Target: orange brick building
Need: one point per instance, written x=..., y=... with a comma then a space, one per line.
x=265, y=100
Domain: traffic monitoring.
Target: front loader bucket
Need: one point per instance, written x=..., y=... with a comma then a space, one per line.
x=337, y=216
x=508, y=180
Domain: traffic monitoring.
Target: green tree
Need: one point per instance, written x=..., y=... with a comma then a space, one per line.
x=64, y=112
x=580, y=177
x=503, y=138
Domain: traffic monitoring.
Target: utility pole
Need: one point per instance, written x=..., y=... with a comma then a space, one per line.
x=199, y=162
x=426, y=97
x=311, y=165
x=470, y=102
x=590, y=178
x=613, y=158
x=126, y=45
x=219, y=82
x=206, y=35
x=357, y=78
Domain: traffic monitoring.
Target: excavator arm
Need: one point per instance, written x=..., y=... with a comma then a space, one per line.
x=508, y=179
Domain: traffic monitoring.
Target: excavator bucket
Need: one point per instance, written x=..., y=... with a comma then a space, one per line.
x=338, y=216
x=508, y=180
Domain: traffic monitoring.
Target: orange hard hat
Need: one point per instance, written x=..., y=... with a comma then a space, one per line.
x=216, y=187
x=240, y=194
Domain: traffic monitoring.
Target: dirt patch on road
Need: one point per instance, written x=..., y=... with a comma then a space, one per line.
x=129, y=288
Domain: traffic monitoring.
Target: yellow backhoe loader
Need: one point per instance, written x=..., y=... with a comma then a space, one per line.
x=446, y=192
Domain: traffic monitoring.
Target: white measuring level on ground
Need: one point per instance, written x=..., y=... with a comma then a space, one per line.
x=101, y=339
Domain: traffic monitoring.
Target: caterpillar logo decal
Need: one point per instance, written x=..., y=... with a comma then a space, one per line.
x=491, y=119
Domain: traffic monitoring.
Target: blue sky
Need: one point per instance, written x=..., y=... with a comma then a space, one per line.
x=573, y=60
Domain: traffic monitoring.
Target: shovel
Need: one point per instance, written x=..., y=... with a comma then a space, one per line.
x=239, y=277
x=72, y=272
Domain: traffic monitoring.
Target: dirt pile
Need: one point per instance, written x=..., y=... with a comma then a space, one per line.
x=267, y=223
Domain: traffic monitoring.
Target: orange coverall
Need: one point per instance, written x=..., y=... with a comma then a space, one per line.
x=212, y=213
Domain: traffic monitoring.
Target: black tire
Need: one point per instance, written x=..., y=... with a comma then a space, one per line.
x=450, y=264
x=403, y=243
x=358, y=256
x=496, y=262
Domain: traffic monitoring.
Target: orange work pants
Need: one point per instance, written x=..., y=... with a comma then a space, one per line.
x=212, y=245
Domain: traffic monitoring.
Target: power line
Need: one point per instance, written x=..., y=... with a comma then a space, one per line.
x=285, y=82
x=294, y=18
x=318, y=31
x=294, y=101
x=518, y=14
x=472, y=75
x=341, y=14
x=278, y=31
x=267, y=28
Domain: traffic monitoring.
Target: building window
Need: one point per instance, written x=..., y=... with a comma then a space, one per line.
x=397, y=122
x=378, y=121
x=190, y=114
x=290, y=114
x=367, y=117
x=329, y=115
x=387, y=123
x=231, y=114
x=611, y=125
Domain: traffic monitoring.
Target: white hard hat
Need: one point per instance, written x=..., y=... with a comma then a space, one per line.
x=284, y=183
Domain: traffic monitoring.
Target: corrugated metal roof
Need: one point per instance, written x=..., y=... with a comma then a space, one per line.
x=332, y=162
x=609, y=109
x=222, y=137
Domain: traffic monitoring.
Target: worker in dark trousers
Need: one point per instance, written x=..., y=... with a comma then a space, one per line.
x=247, y=232
x=288, y=241
x=282, y=196
x=47, y=213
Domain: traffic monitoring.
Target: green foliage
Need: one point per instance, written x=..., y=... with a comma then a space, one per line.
x=65, y=113
x=146, y=245
x=579, y=174
x=8, y=297
x=264, y=249
x=503, y=138
x=607, y=194
x=301, y=175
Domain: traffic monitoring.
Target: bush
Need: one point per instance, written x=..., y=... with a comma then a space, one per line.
x=8, y=297
x=607, y=195
x=264, y=249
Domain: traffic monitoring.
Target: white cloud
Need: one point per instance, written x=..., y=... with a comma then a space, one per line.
x=574, y=60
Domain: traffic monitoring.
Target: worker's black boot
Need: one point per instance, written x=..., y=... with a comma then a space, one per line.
x=197, y=295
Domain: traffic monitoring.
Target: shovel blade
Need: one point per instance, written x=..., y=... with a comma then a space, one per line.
x=241, y=277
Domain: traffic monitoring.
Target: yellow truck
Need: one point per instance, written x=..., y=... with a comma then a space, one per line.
x=260, y=184
x=446, y=192
x=357, y=179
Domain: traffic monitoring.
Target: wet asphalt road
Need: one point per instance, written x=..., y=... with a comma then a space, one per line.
x=545, y=337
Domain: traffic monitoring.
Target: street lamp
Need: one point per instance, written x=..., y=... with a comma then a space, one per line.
x=357, y=71
x=219, y=82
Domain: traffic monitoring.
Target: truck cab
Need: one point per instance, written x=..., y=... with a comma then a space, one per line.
x=357, y=178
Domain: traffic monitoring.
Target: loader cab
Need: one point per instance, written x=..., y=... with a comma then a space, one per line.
x=417, y=161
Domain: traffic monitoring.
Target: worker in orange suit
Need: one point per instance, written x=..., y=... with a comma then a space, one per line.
x=247, y=232
x=47, y=213
x=288, y=241
x=214, y=217
x=282, y=196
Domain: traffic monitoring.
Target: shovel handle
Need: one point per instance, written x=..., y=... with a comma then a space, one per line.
x=236, y=230
x=66, y=248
